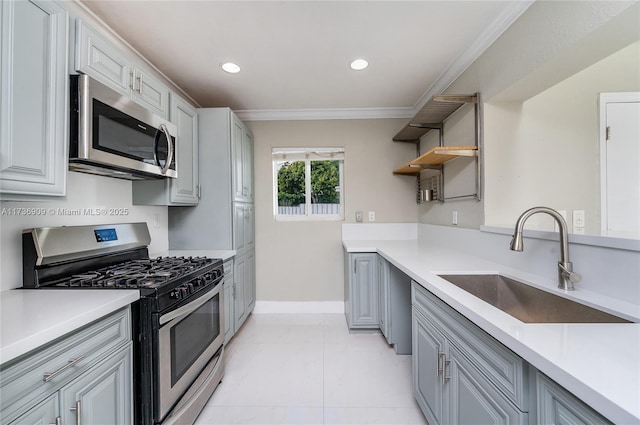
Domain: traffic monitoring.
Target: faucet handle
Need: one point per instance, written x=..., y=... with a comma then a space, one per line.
x=568, y=273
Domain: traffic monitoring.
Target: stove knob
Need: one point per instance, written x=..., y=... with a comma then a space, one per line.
x=184, y=290
x=176, y=295
x=191, y=287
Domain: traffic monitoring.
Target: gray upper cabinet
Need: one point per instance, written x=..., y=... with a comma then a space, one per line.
x=98, y=57
x=33, y=113
x=185, y=189
x=242, y=152
x=361, y=290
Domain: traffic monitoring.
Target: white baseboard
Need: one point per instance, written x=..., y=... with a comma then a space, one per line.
x=271, y=307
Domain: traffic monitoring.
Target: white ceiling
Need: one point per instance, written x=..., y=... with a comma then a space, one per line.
x=295, y=55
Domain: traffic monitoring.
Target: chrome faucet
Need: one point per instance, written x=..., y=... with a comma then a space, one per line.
x=566, y=276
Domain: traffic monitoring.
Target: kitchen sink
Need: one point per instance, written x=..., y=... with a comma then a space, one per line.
x=527, y=303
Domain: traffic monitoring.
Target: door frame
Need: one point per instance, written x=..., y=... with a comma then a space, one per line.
x=603, y=99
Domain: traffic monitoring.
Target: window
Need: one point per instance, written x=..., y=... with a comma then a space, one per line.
x=308, y=183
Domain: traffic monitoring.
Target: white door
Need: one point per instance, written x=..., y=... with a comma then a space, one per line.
x=620, y=164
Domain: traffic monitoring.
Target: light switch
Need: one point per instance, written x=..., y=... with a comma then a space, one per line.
x=454, y=217
x=358, y=216
x=578, y=221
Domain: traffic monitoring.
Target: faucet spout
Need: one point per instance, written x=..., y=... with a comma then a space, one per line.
x=566, y=276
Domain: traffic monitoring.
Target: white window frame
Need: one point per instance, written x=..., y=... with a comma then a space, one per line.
x=307, y=155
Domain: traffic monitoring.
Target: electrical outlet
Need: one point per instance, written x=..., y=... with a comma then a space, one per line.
x=156, y=221
x=454, y=217
x=358, y=216
x=372, y=216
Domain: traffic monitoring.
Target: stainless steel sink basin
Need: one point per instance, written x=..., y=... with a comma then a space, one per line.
x=527, y=303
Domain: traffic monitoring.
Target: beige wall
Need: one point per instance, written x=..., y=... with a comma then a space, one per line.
x=302, y=261
x=546, y=150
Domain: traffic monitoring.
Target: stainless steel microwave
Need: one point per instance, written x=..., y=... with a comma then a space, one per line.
x=112, y=135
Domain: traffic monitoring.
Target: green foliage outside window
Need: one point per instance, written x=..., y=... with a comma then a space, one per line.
x=325, y=180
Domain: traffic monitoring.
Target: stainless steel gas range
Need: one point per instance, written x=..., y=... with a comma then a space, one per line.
x=178, y=322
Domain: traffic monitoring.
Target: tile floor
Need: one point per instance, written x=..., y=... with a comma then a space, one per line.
x=308, y=369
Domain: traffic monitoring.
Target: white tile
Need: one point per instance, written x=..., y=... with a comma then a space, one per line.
x=272, y=375
x=308, y=369
x=214, y=415
x=366, y=377
x=371, y=415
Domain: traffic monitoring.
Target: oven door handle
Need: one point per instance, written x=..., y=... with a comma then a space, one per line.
x=185, y=310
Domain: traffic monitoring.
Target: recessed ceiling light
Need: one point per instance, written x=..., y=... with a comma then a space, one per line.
x=230, y=67
x=359, y=64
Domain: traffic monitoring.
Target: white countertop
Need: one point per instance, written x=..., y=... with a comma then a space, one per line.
x=223, y=254
x=30, y=318
x=599, y=363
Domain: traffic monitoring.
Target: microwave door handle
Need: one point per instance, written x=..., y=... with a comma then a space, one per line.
x=167, y=164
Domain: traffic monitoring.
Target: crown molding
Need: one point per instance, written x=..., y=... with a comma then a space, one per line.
x=502, y=22
x=324, y=114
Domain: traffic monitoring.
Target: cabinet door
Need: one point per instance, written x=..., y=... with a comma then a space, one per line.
x=239, y=227
x=427, y=363
x=249, y=226
x=383, y=298
x=103, y=395
x=250, y=282
x=96, y=56
x=247, y=164
x=364, y=291
x=150, y=93
x=45, y=413
x=473, y=400
x=33, y=109
x=237, y=158
x=184, y=189
x=556, y=406
x=240, y=303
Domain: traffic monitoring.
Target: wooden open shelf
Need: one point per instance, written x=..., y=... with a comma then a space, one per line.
x=435, y=157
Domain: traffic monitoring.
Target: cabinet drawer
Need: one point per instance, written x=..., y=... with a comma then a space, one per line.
x=505, y=369
x=22, y=382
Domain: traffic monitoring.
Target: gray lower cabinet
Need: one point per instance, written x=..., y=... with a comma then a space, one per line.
x=244, y=292
x=33, y=109
x=394, y=302
x=459, y=375
x=557, y=406
x=43, y=413
x=102, y=395
x=229, y=301
x=383, y=297
x=88, y=372
x=361, y=290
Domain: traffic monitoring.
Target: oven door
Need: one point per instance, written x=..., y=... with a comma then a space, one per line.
x=188, y=337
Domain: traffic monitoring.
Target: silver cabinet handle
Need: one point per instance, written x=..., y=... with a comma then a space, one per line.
x=438, y=367
x=140, y=83
x=58, y=421
x=72, y=362
x=78, y=414
x=132, y=84
x=445, y=362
